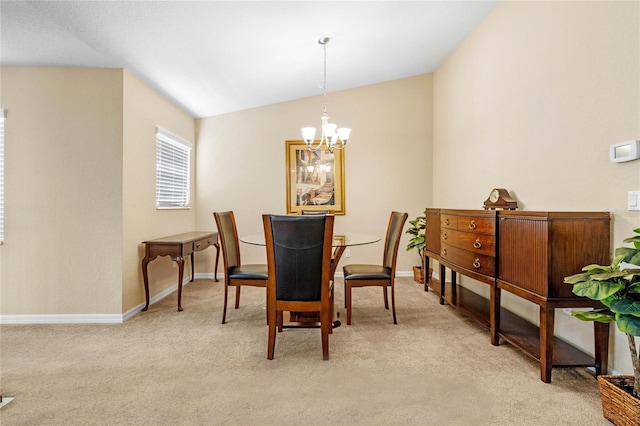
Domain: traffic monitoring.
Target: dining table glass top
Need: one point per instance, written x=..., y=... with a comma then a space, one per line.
x=339, y=240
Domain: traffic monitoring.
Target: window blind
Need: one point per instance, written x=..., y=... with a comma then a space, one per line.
x=172, y=171
x=3, y=114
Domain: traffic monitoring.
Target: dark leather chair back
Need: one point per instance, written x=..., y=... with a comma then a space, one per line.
x=298, y=249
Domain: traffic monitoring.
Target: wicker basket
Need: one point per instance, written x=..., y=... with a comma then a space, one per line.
x=619, y=406
x=418, y=274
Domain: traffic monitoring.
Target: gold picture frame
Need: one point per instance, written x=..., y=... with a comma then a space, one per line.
x=315, y=179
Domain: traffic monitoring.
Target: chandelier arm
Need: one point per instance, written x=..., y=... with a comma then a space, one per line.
x=310, y=146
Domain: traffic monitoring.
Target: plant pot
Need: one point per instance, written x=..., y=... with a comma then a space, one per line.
x=418, y=274
x=619, y=406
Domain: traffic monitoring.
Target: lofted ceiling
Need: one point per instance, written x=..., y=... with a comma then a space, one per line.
x=214, y=57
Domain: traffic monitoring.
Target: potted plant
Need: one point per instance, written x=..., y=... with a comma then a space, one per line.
x=617, y=287
x=417, y=231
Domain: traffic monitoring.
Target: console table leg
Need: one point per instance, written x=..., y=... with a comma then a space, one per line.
x=546, y=343
x=192, y=269
x=180, y=262
x=145, y=276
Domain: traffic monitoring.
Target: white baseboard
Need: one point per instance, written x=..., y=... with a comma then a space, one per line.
x=120, y=318
x=62, y=319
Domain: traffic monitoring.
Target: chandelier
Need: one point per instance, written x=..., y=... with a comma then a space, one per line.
x=332, y=137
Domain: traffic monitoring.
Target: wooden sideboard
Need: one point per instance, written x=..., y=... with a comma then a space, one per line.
x=527, y=254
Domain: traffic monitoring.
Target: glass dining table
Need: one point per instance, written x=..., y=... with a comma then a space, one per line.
x=340, y=244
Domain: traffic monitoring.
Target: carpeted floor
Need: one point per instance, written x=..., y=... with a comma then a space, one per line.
x=435, y=367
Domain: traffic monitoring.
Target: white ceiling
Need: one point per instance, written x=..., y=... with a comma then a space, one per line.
x=214, y=57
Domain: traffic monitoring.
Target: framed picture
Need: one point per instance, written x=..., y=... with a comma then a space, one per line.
x=315, y=179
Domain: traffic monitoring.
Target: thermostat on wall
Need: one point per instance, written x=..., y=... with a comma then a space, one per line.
x=624, y=151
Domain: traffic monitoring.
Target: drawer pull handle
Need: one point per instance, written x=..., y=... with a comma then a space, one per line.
x=476, y=264
x=444, y=236
x=446, y=221
x=444, y=252
x=472, y=224
x=197, y=245
x=477, y=244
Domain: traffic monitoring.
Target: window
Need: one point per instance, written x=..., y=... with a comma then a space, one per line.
x=3, y=114
x=172, y=171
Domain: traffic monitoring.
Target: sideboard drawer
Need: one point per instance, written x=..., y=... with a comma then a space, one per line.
x=479, y=263
x=477, y=243
x=449, y=221
x=480, y=225
x=469, y=223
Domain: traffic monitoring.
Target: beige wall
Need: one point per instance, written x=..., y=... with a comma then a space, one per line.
x=241, y=162
x=80, y=192
x=63, y=181
x=531, y=101
x=144, y=110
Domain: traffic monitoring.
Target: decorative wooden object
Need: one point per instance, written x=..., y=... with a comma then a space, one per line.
x=499, y=198
x=527, y=254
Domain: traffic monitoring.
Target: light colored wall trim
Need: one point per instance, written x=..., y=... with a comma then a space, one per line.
x=61, y=319
x=120, y=318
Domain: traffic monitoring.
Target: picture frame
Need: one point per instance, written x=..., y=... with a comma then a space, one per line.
x=315, y=179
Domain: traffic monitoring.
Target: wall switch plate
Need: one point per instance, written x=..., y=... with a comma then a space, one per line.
x=347, y=253
x=633, y=200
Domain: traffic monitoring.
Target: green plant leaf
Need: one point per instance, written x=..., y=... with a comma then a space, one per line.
x=628, y=324
x=576, y=278
x=597, y=290
x=599, y=315
x=629, y=254
x=626, y=306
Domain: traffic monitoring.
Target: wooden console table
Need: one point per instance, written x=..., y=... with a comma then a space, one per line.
x=178, y=247
x=527, y=254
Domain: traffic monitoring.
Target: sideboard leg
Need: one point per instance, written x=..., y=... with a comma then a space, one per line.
x=546, y=343
x=494, y=314
x=601, y=338
x=443, y=280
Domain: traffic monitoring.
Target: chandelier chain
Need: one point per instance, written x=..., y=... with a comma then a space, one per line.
x=324, y=84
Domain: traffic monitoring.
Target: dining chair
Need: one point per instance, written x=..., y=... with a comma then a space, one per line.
x=359, y=275
x=235, y=273
x=299, y=263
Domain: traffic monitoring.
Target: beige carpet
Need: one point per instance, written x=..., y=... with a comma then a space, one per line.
x=434, y=367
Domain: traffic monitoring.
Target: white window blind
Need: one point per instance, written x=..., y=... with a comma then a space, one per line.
x=3, y=114
x=172, y=171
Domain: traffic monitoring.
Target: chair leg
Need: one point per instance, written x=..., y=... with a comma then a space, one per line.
x=386, y=298
x=331, y=314
x=271, y=344
x=347, y=293
x=325, y=329
x=224, y=307
x=393, y=304
x=280, y=320
x=237, y=297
